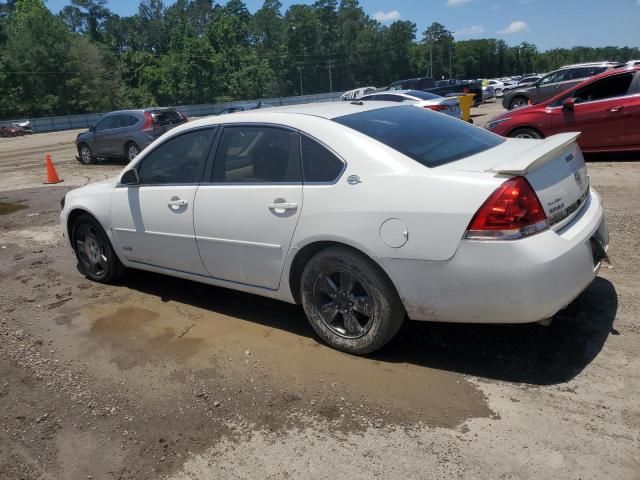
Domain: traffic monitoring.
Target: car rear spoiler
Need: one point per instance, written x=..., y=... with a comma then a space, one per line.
x=537, y=155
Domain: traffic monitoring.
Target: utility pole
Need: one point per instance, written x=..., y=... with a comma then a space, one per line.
x=300, y=76
x=330, y=66
x=450, y=48
x=431, y=58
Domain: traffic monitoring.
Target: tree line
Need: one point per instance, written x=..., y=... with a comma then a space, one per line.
x=88, y=59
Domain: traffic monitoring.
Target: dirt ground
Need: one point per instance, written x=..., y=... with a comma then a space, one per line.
x=162, y=378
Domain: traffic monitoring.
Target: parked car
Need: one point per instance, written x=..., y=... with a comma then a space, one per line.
x=606, y=109
x=553, y=83
x=445, y=88
x=499, y=86
x=633, y=63
x=233, y=109
x=523, y=81
x=356, y=93
x=420, y=99
x=488, y=93
x=123, y=134
x=11, y=131
x=362, y=212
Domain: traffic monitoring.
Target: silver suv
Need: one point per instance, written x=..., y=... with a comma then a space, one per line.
x=553, y=83
x=125, y=133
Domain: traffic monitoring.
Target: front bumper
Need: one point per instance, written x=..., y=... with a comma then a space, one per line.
x=518, y=281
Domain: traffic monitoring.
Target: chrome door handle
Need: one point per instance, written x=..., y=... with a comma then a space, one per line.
x=616, y=109
x=283, y=206
x=178, y=203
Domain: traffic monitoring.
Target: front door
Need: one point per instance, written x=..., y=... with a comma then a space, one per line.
x=153, y=221
x=246, y=216
x=600, y=112
x=101, y=134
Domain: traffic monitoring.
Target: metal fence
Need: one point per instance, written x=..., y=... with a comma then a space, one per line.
x=71, y=122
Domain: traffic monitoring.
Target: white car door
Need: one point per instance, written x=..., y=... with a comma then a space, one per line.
x=245, y=217
x=153, y=221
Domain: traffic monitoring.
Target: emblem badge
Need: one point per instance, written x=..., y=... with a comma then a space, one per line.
x=353, y=180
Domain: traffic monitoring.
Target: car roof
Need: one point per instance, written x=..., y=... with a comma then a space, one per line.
x=590, y=64
x=584, y=82
x=328, y=110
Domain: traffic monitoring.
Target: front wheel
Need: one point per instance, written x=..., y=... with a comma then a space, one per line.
x=86, y=155
x=96, y=258
x=350, y=302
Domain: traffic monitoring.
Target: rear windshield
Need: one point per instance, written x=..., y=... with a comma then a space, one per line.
x=429, y=138
x=167, y=117
x=422, y=95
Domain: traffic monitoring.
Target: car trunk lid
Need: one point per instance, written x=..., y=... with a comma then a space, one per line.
x=554, y=167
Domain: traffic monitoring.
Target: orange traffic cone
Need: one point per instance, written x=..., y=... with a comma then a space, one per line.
x=52, y=175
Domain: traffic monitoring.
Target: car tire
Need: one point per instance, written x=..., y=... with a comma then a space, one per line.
x=518, y=102
x=526, y=133
x=132, y=150
x=96, y=258
x=349, y=301
x=85, y=155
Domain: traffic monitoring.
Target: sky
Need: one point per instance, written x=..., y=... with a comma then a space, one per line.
x=546, y=23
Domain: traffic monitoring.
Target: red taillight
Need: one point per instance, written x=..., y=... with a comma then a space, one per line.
x=148, y=122
x=512, y=211
x=437, y=108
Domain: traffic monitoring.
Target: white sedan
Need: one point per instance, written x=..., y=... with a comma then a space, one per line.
x=366, y=213
x=418, y=98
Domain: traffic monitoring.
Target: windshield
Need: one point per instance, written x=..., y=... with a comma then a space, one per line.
x=429, y=138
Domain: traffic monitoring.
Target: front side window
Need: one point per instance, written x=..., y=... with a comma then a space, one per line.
x=106, y=123
x=609, y=87
x=179, y=160
x=248, y=154
x=427, y=137
x=318, y=163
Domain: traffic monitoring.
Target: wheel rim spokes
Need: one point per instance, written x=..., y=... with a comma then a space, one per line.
x=91, y=251
x=343, y=303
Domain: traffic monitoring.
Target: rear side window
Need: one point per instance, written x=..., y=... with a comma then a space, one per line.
x=179, y=160
x=429, y=138
x=257, y=155
x=318, y=163
x=131, y=120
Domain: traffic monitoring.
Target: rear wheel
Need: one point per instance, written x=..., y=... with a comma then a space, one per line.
x=85, y=154
x=349, y=301
x=526, y=133
x=518, y=102
x=96, y=258
x=132, y=150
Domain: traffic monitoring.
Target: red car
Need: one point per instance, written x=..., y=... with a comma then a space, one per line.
x=605, y=108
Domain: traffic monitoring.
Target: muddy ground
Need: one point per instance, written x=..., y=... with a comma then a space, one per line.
x=162, y=378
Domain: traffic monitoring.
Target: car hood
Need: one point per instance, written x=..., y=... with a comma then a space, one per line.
x=96, y=187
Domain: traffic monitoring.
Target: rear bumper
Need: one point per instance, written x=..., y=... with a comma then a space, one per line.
x=517, y=281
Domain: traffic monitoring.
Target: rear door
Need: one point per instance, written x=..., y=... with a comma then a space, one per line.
x=600, y=112
x=246, y=215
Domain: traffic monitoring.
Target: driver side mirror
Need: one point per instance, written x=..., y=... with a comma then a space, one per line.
x=130, y=177
x=568, y=104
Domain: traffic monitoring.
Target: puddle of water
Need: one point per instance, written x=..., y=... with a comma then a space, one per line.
x=203, y=339
x=7, y=208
